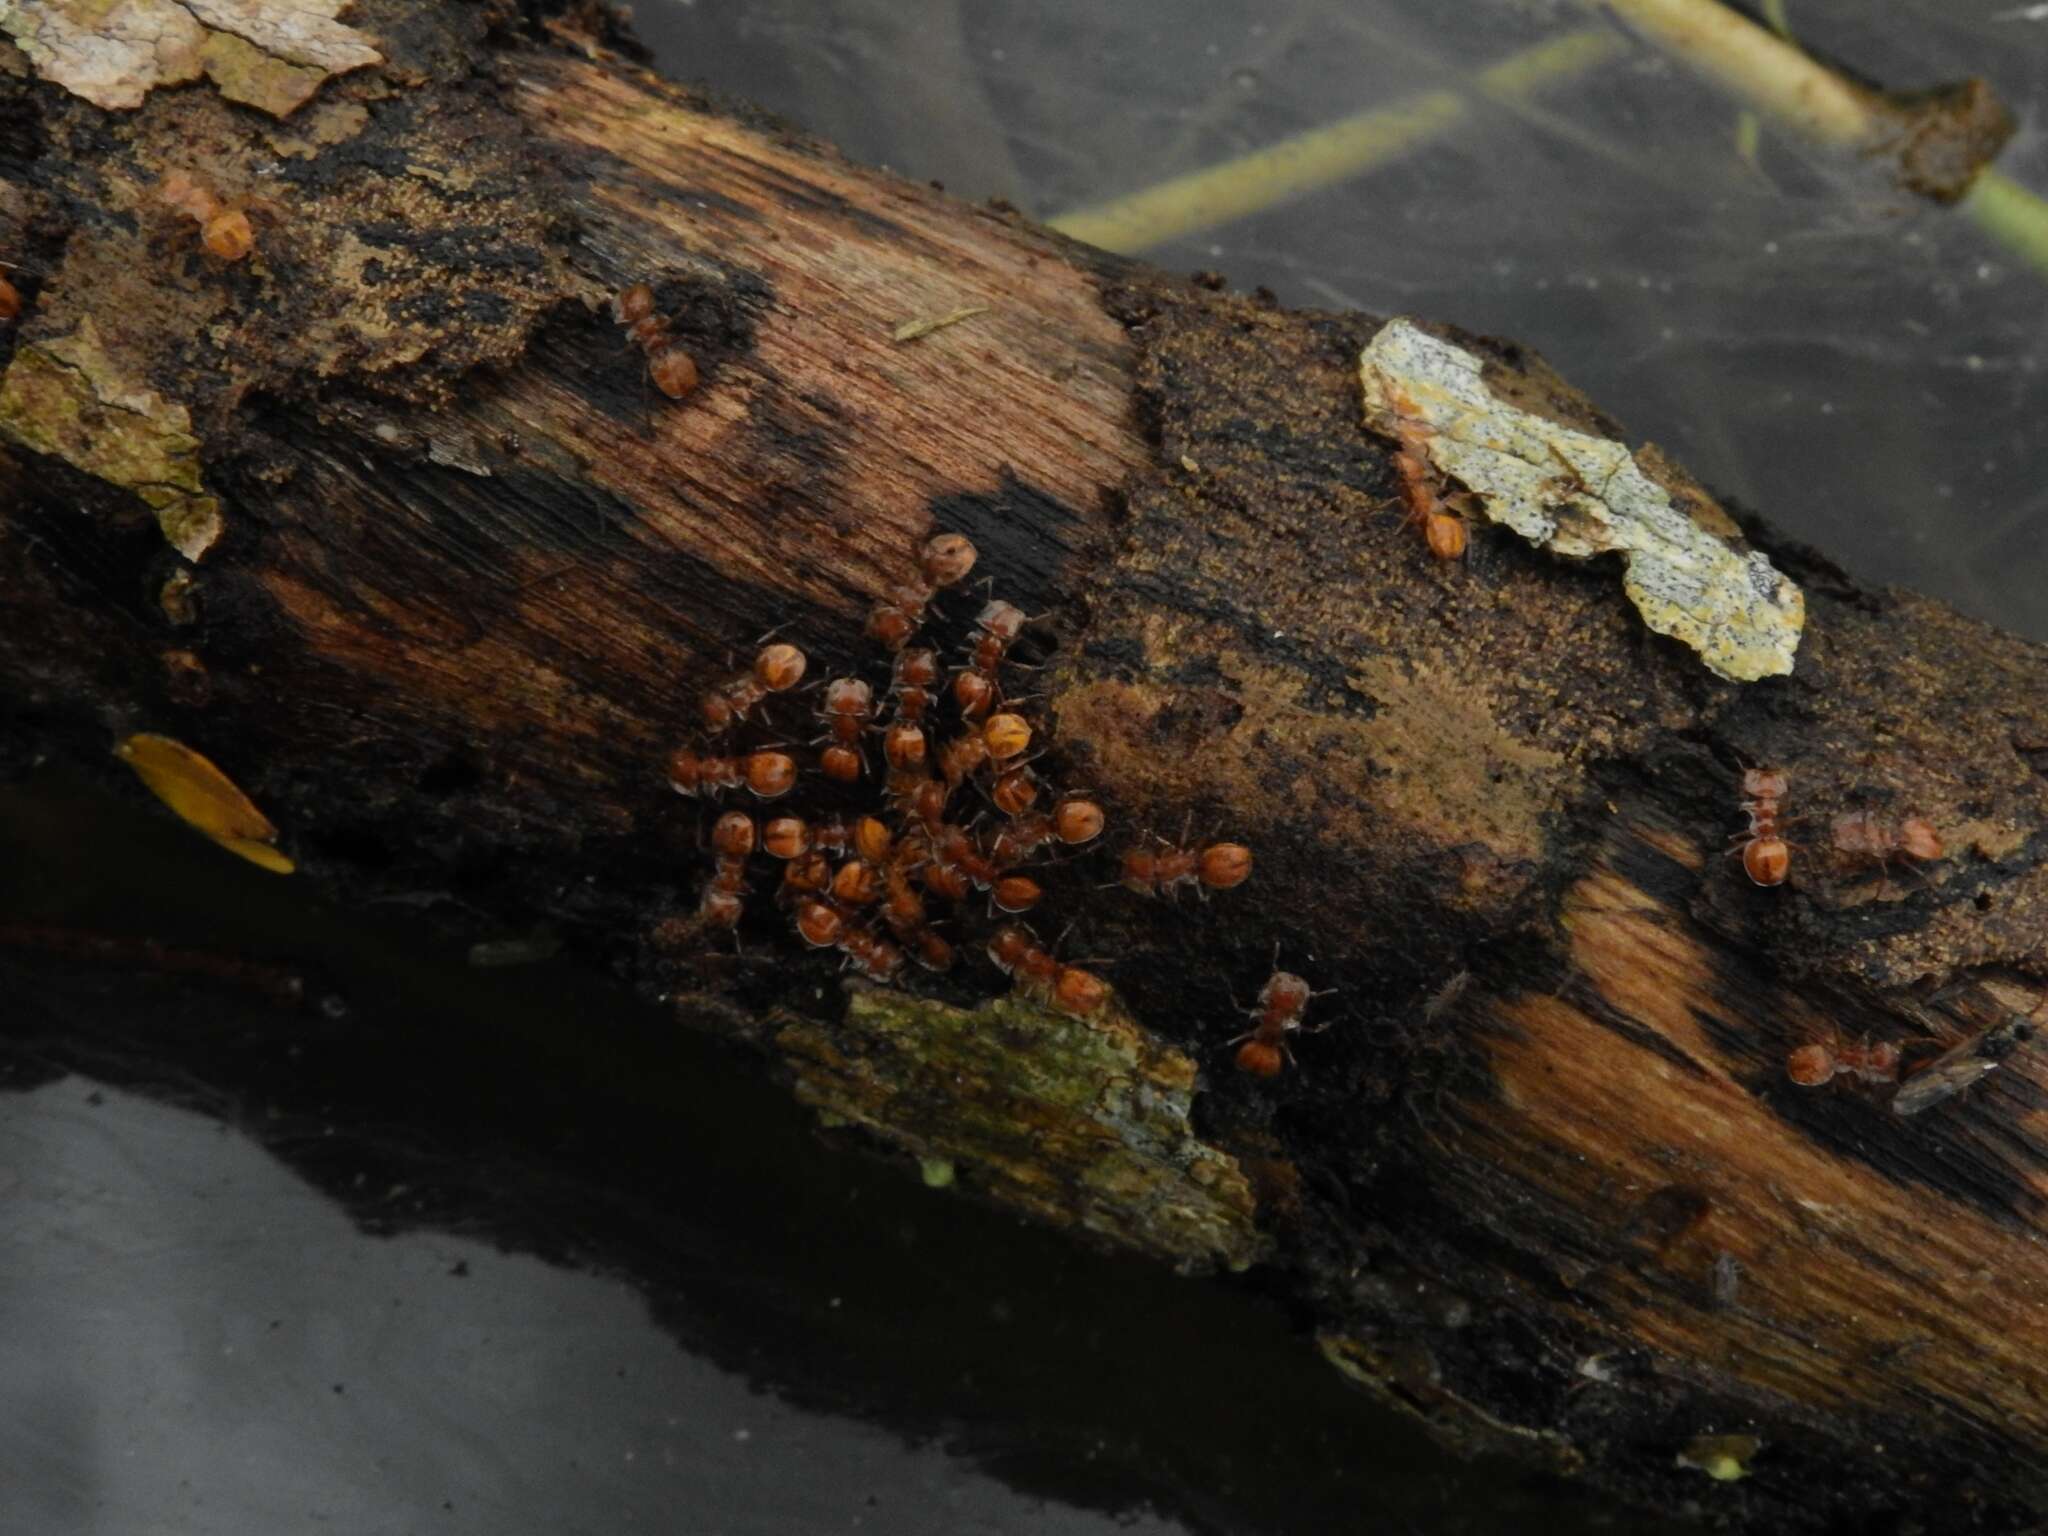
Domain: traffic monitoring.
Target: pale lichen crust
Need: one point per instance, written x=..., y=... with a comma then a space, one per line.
x=268, y=54
x=1077, y=1122
x=68, y=398
x=1578, y=495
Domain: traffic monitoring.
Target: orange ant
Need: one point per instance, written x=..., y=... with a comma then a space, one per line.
x=962, y=757
x=1867, y=835
x=933, y=952
x=946, y=879
x=871, y=954
x=807, y=874
x=849, y=705
x=224, y=231
x=1077, y=819
x=671, y=367
x=857, y=884
x=834, y=834
x=945, y=559
x=1282, y=1001
x=818, y=924
x=1006, y=736
x=732, y=839
x=915, y=672
x=873, y=840
x=786, y=837
x=1441, y=530
x=10, y=302
x=1812, y=1065
x=769, y=775
x=1158, y=871
x=1766, y=856
x=975, y=687
x=1074, y=820
x=904, y=745
x=1015, y=893
x=822, y=925
x=903, y=911
x=902, y=908
x=803, y=847
x=1015, y=791
x=777, y=669
x=957, y=862
x=1017, y=953
x=925, y=802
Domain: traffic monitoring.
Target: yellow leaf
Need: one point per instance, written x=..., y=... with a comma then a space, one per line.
x=204, y=797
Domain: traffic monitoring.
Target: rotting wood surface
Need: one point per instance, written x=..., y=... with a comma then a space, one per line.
x=1543, y=1181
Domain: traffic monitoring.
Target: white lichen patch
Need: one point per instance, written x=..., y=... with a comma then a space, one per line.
x=269, y=54
x=1579, y=495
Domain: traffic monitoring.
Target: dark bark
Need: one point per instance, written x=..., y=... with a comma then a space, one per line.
x=1543, y=1180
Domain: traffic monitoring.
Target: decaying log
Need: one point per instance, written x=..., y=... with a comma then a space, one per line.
x=386, y=520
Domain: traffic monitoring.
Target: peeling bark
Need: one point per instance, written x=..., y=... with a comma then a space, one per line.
x=1543, y=1180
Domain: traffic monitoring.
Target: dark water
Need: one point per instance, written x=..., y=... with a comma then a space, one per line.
x=459, y=1251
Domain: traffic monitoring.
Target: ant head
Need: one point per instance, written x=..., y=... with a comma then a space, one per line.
x=1765, y=783
x=947, y=558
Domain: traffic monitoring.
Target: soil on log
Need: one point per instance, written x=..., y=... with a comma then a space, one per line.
x=386, y=519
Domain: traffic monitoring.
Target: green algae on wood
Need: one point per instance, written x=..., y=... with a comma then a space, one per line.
x=69, y=399
x=1578, y=495
x=1078, y=1123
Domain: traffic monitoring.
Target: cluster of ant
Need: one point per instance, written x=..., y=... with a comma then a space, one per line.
x=1859, y=836
x=863, y=884
x=1862, y=836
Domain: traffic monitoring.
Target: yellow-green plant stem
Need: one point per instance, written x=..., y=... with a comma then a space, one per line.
x=1335, y=152
x=2014, y=216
